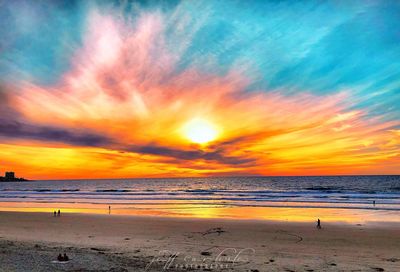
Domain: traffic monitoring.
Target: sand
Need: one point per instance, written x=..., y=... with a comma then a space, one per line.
x=32, y=241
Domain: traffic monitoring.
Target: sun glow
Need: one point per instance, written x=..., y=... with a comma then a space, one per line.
x=200, y=131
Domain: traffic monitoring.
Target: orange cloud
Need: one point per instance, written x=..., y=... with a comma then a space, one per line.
x=123, y=86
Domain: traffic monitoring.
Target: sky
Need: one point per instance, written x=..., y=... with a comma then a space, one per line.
x=112, y=89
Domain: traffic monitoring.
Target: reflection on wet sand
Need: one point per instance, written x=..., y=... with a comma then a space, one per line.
x=294, y=214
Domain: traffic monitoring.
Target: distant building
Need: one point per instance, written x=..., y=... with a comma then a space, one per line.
x=10, y=175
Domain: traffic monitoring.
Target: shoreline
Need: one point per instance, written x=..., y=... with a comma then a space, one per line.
x=131, y=243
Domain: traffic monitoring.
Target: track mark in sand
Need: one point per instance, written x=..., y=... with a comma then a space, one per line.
x=213, y=230
x=393, y=260
x=206, y=252
x=377, y=269
x=207, y=232
x=291, y=234
x=98, y=249
x=218, y=231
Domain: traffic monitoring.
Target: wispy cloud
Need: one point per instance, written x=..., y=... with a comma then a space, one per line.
x=287, y=98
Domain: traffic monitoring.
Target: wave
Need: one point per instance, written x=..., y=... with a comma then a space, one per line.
x=113, y=190
x=214, y=193
x=272, y=191
x=388, y=199
x=200, y=191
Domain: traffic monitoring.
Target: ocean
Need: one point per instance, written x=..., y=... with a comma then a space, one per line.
x=193, y=196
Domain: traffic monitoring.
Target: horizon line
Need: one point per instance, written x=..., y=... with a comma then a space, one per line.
x=227, y=176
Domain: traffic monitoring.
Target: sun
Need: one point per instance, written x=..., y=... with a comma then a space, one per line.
x=200, y=131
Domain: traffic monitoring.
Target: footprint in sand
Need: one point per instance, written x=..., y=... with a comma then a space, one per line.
x=378, y=269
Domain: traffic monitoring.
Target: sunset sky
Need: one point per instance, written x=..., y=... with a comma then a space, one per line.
x=199, y=88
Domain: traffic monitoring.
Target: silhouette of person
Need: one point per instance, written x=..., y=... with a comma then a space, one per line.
x=109, y=209
x=55, y=213
x=65, y=257
x=60, y=258
x=318, y=224
x=59, y=213
x=373, y=202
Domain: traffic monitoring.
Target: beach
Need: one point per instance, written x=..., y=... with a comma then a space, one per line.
x=94, y=242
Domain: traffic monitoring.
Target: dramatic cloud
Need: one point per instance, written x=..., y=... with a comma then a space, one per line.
x=50, y=134
x=115, y=85
x=216, y=155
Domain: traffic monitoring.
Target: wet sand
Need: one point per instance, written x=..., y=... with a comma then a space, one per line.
x=32, y=241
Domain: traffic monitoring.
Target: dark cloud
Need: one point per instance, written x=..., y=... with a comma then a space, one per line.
x=215, y=155
x=13, y=126
x=16, y=129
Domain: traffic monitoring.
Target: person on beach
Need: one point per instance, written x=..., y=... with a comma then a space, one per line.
x=55, y=213
x=109, y=209
x=60, y=258
x=66, y=258
x=59, y=213
x=318, y=224
x=373, y=202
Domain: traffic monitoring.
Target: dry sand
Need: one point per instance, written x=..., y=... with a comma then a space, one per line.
x=32, y=241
